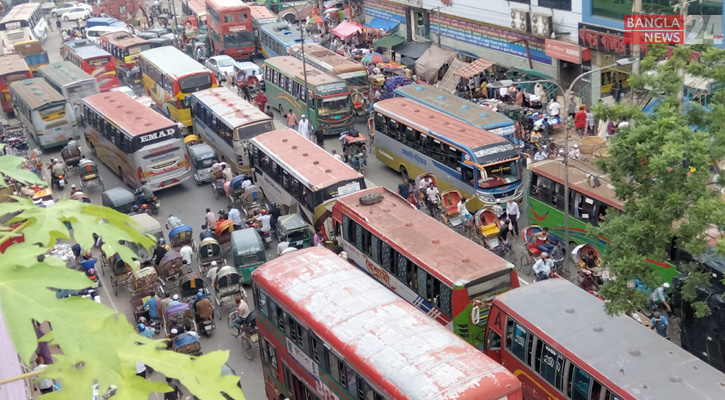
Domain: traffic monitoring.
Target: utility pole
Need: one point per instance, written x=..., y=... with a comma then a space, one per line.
x=636, y=50
x=304, y=71
x=683, y=4
x=439, y=26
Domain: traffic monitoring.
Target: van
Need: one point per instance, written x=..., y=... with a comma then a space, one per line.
x=247, y=252
x=94, y=34
x=101, y=21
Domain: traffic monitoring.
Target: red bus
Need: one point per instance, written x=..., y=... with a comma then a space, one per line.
x=92, y=59
x=328, y=331
x=12, y=68
x=230, y=29
x=559, y=341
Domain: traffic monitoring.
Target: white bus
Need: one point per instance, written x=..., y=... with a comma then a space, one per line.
x=70, y=81
x=135, y=141
x=45, y=113
x=227, y=122
x=26, y=15
x=10, y=37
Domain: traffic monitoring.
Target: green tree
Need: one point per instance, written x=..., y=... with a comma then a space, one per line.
x=663, y=171
x=99, y=346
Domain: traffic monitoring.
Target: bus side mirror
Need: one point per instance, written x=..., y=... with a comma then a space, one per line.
x=476, y=315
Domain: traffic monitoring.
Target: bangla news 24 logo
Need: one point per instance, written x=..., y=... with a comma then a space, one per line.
x=673, y=29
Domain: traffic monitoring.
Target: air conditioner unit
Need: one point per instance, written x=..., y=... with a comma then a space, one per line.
x=520, y=20
x=541, y=25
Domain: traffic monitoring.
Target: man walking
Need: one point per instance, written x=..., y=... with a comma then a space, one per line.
x=291, y=120
x=513, y=213
x=498, y=209
x=303, y=128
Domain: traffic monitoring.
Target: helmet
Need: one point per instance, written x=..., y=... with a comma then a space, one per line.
x=200, y=294
x=162, y=240
x=264, y=211
x=175, y=297
x=141, y=327
x=544, y=255
x=144, y=206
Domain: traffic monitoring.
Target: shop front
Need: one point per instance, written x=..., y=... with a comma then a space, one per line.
x=606, y=45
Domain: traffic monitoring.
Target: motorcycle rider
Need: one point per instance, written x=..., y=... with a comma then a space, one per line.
x=144, y=191
x=56, y=170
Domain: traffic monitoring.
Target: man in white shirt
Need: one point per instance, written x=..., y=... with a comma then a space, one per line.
x=540, y=155
x=463, y=211
x=503, y=93
x=246, y=184
x=498, y=209
x=265, y=219
x=574, y=152
x=542, y=268
x=187, y=254
x=336, y=155
x=554, y=108
x=211, y=274
x=172, y=222
x=282, y=245
x=303, y=127
x=423, y=186
x=433, y=199
x=236, y=217
x=512, y=211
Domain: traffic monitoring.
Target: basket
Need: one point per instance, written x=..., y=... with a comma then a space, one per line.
x=588, y=144
x=602, y=152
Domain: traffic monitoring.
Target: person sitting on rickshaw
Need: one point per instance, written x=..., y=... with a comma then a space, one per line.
x=159, y=252
x=242, y=312
x=172, y=222
x=206, y=233
x=71, y=146
x=73, y=190
x=227, y=173
x=144, y=331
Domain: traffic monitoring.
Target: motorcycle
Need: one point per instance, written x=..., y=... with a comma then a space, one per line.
x=153, y=204
x=266, y=236
x=58, y=181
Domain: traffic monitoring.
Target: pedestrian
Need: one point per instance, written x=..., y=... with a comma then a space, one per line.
x=291, y=120
x=303, y=128
x=57, y=23
x=571, y=110
x=245, y=91
x=50, y=26
x=580, y=120
x=433, y=199
x=590, y=123
x=319, y=238
x=617, y=90
x=261, y=101
x=513, y=213
x=336, y=155
x=498, y=209
x=320, y=137
x=588, y=283
x=659, y=324
x=657, y=297
x=519, y=98
x=404, y=188
x=554, y=108
x=611, y=129
x=269, y=112
x=210, y=219
x=413, y=199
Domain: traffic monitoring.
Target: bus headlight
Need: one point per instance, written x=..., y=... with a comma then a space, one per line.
x=519, y=190
x=486, y=198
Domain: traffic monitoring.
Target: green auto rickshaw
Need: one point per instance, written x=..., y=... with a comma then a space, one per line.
x=247, y=252
x=299, y=232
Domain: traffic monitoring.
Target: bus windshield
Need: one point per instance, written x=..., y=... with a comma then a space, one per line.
x=358, y=81
x=51, y=108
x=98, y=62
x=334, y=105
x=137, y=49
x=7, y=79
x=195, y=82
x=499, y=175
x=341, y=189
x=489, y=287
x=250, y=131
x=239, y=39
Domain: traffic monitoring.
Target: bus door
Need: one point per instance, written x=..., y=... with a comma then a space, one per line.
x=495, y=330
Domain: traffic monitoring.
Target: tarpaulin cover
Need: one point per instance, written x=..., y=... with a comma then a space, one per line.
x=450, y=80
x=412, y=49
x=380, y=23
x=345, y=29
x=387, y=42
x=428, y=65
x=474, y=68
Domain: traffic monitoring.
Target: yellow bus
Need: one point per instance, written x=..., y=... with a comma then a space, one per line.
x=169, y=77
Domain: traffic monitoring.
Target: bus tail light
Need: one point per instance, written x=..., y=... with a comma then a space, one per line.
x=178, y=104
x=140, y=173
x=188, y=164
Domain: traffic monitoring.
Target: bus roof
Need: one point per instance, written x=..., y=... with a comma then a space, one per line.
x=431, y=96
x=228, y=106
x=123, y=39
x=133, y=117
x=197, y=6
x=86, y=49
x=260, y=12
x=283, y=32
x=336, y=62
x=20, y=11
x=401, y=350
x=12, y=63
x=293, y=66
x=227, y=4
x=442, y=126
x=579, y=173
x=64, y=72
x=451, y=257
x=36, y=92
x=172, y=61
x=306, y=161
x=629, y=355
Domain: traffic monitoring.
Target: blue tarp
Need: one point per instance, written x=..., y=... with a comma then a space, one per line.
x=380, y=23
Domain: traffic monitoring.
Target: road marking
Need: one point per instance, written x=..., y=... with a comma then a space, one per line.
x=523, y=281
x=108, y=296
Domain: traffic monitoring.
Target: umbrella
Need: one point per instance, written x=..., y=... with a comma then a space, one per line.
x=375, y=58
x=316, y=19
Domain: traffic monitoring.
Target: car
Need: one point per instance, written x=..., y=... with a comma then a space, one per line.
x=250, y=68
x=76, y=13
x=60, y=9
x=125, y=90
x=220, y=65
x=48, y=6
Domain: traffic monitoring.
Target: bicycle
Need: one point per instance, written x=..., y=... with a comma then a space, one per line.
x=249, y=335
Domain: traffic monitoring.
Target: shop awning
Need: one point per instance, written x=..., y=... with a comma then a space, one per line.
x=450, y=79
x=408, y=62
x=387, y=42
x=412, y=49
x=430, y=63
x=474, y=68
x=533, y=73
x=380, y=23
x=346, y=28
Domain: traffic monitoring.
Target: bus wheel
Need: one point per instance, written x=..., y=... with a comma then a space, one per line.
x=403, y=172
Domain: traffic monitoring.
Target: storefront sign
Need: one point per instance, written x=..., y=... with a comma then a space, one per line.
x=604, y=40
x=385, y=10
x=565, y=51
x=490, y=37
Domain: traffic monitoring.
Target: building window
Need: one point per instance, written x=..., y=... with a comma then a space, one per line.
x=558, y=4
x=523, y=1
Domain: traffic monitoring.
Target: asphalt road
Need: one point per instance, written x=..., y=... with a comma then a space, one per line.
x=188, y=202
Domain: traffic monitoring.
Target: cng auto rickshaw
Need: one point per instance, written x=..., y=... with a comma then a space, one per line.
x=119, y=199
x=88, y=171
x=151, y=228
x=298, y=232
x=247, y=252
x=202, y=157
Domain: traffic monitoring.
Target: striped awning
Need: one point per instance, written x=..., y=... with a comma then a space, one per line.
x=450, y=80
x=474, y=68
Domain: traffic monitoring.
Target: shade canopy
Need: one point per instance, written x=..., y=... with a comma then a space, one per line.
x=388, y=42
x=474, y=68
x=430, y=63
x=380, y=23
x=450, y=80
x=346, y=28
x=412, y=49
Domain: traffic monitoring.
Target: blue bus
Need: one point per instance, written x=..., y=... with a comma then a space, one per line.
x=462, y=109
x=277, y=37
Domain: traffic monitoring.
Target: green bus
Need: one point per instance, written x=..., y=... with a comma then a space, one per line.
x=591, y=201
x=287, y=86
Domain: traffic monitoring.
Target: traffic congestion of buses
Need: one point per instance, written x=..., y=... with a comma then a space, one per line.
x=370, y=296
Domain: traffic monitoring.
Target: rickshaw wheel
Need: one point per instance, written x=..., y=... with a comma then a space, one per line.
x=248, y=347
x=216, y=193
x=115, y=286
x=83, y=185
x=103, y=187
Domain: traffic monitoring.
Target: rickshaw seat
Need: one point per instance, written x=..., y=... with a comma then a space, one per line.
x=489, y=230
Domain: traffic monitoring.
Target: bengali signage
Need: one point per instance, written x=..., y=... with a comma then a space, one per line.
x=565, y=51
x=603, y=40
x=385, y=10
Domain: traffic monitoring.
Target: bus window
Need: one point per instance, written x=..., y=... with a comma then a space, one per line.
x=494, y=340
x=518, y=343
x=423, y=143
x=467, y=174
x=387, y=256
x=588, y=205
x=437, y=151
x=601, y=214
x=546, y=362
x=558, y=197
x=580, y=384
x=541, y=189
x=375, y=249
x=405, y=270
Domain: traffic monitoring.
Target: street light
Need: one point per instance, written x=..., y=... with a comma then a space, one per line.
x=505, y=83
